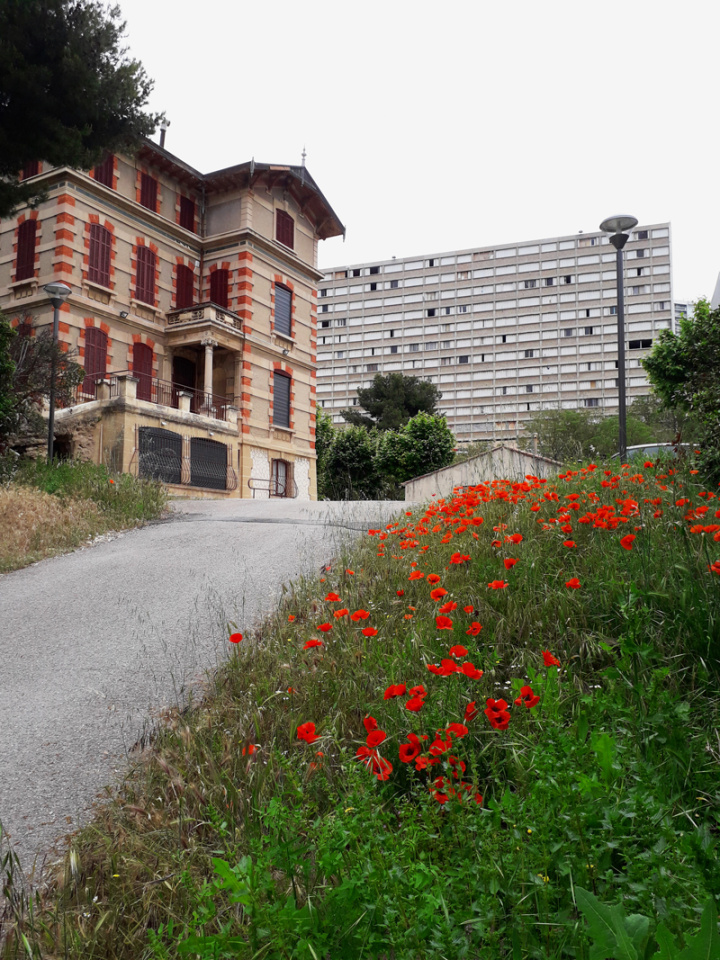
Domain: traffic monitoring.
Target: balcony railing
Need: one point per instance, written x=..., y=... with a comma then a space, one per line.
x=154, y=390
x=202, y=313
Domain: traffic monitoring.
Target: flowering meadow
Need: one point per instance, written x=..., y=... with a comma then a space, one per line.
x=489, y=722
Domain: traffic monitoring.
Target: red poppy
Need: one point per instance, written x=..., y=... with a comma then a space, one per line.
x=474, y=630
x=438, y=593
x=400, y=593
x=341, y=613
x=469, y=608
x=445, y=669
x=471, y=671
x=394, y=690
x=249, y=750
x=325, y=627
x=370, y=723
x=573, y=584
x=306, y=731
x=458, y=651
x=440, y=746
x=460, y=558
x=471, y=711
x=627, y=541
x=381, y=767
x=528, y=698
x=408, y=751
x=416, y=575
x=375, y=738
x=369, y=631
x=448, y=607
x=648, y=464
x=415, y=704
x=458, y=729
x=333, y=597
x=235, y=637
x=496, y=543
x=549, y=660
x=509, y=563
x=350, y=573
x=569, y=543
x=498, y=714
x=312, y=643
x=443, y=623
x=433, y=578
x=359, y=615
x=514, y=538
x=497, y=585
x=291, y=617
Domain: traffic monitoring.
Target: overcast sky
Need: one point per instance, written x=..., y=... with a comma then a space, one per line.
x=438, y=126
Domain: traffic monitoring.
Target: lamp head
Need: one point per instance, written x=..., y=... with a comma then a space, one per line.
x=618, y=224
x=57, y=291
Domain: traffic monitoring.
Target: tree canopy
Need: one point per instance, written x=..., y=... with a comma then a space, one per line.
x=391, y=400
x=68, y=91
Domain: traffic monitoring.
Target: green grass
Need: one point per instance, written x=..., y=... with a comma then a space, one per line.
x=610, y=784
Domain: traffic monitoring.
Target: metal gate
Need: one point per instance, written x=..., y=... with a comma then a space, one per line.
x=160, y=454
x=208, y=463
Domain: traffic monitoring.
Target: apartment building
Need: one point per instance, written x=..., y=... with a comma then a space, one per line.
x=192, y=308
x=504, y=331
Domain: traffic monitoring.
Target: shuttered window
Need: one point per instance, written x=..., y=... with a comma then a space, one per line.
x=185, y=296
x=219, y=287
x=95, y=361
x=142, y=369
x=148, y=191
x=281, y=400
x=187, y=213
x=105, y=171
x=285, y=229
x=145, y=281
x=31, y=169
x=99, y=257
x=283, y=310
x=27, y=232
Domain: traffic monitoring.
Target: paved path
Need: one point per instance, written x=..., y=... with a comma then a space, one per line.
x=92, y=644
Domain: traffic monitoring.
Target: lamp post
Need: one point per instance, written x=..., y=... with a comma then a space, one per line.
x=617, y=227
x=58, y=293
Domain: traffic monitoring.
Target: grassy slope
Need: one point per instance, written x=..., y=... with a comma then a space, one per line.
x=610, y=783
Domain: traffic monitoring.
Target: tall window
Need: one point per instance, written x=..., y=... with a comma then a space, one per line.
x=219, y=288
x=285, y=229
x=148, y=191
x=185, y=296
x=95, y=361
x=142, y=369
x=281, y=479
x=31, y=169
x=283, y=310
x=145, y=280
x=27, y=232
x=187, y=213
x=281, y=399
x=105, y=171
x=99, y=258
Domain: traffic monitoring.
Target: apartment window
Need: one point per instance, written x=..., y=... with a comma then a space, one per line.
x=591, y=402
x=639, y=271
x=462, y=308
x=393, y=348
x=341, y=322
x=339, y=354
x=549, y=281
x=374, y=270
x=640, y=254
x=104, y=172
x=285, y=229
x=99, y=255
x=30, y=169
x=569, y=332
x=662, y=305
x=445, y=344
x=528, y=388
x=641, y=235
x=148, y=191
x=323, y=293
x=503, y=338
x=529, y=284
x=613, y=311
x=324, y=323
x=283, y=310
x=414, y=348
x=372, y=367
x=373, y=286
x=324, y=308
x=391, y=333
x=640, y=344
x=464, y=359
x=432, y=262
x=431, y=345
x=504, y=391
x=27, y=232
x=529, y=353
x=219, y=288
x=145, y=280
x=95, y=359
x=446, y=311
x=187, y=213
x=356, y=272
x=587, y=331
x=445, y=361
x=432, y=312
x=281, y=399
x=567, y=278
x=394, y=284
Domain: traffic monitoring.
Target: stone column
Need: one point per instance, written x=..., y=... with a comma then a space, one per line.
x=237, y=390
x=209, y=345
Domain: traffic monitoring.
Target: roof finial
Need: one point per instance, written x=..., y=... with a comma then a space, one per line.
x=304, y=154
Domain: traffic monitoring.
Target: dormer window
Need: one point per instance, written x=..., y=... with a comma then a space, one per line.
x=285, y=229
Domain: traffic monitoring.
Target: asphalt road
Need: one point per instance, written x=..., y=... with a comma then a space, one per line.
x=94, y=644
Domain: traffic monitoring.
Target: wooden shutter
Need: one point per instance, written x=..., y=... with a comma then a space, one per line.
x=283, y=310
x=104, y=172
x=281, y=400
x=99, y=258
x=142, y=369
x=219, y=288
x=285, y=229
x=145, y=281
x=185, y=295
x=95, y=361
x=31, y=169
x=27, y=232
x=148, y=192
x=187, y=213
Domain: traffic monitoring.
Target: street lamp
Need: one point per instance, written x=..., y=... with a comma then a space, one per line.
x=58, y=293
x=617, y=226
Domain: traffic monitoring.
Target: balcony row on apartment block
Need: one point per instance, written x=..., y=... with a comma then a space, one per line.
x=192, y=309
x=504, y=331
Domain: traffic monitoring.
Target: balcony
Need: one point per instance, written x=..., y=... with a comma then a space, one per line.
x=161, y=392
x=192, y=325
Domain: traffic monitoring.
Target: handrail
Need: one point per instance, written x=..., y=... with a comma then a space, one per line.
x=266, y=486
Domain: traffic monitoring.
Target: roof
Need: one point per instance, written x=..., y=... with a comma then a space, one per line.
x=488, y=453
x=295, y=179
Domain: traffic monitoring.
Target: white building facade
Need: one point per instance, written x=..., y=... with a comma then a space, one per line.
x=503, y=331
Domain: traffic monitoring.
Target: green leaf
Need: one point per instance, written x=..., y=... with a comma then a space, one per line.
x=705, y=945
x=624, y=949
x=668, y=950
x=637, y=927
x=599, y=920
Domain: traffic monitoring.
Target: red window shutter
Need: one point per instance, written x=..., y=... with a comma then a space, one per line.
x=187, y=213
x=148, y=192
x=95, y=362
x=104, y=172
x=185, y=295
x=142, y=369
x=145, y=281
x=27, y=232
x=99, y=257
x=285, y=229
x=219, y=288
x=31, y=169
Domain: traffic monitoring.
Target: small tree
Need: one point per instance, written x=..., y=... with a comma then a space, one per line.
x=392, y=400
x=563, y=434
x=349, y=466
x=424, y=444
